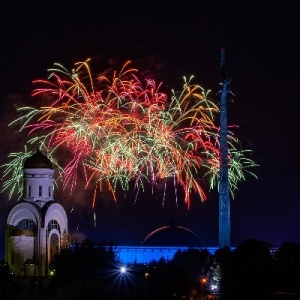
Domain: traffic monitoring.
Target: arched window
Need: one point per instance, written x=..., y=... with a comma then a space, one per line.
x=53, y=224
x=26, y=224
x=49, y=191
x=29, y=191
x=54, y=245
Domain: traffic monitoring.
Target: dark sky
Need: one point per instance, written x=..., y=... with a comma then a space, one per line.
x=168, y=40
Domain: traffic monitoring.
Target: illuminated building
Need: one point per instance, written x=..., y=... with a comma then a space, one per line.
x=163, y=243
x=37, y=226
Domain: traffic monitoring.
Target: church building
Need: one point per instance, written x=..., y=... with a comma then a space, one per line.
x=37, y=226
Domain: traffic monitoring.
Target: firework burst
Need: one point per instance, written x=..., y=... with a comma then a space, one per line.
x=122, y=129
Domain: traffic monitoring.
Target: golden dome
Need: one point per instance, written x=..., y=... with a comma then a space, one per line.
x=37, y=161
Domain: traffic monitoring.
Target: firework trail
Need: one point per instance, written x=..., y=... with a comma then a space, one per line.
x=121, y=130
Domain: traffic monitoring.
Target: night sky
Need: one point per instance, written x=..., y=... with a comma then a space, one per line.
x=168, y=40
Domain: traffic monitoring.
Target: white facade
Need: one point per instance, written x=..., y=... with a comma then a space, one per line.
x=37, y=227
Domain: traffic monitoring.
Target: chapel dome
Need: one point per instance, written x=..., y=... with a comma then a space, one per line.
x=172, y=236
x=37, y=161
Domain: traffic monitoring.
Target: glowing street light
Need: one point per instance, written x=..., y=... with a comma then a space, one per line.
x=203, y=283
x=123, y=270
x=146, y=274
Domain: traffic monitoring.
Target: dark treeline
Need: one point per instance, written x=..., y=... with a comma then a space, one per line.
x=91, y=270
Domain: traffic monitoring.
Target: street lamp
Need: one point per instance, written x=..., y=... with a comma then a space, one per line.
x=203, y=283
x=123, y=273
x=146, y=274
x=123, y=270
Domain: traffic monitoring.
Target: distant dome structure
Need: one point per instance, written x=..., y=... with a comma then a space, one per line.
x=171, y=236
x=38, y=160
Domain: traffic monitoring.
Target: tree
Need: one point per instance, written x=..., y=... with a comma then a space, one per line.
x=246, y=270
x=195, y=262
x=168, y=280
x=81, y=270
x=287, y=277
x=8, y=288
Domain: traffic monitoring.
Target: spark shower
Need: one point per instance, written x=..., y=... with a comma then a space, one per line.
x=122, y=129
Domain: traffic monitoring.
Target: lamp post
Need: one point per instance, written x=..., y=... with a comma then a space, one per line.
x=203, y=283
x=147, y=274
x=123, y=271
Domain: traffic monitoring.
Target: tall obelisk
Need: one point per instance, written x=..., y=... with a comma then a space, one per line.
x=224, y=199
